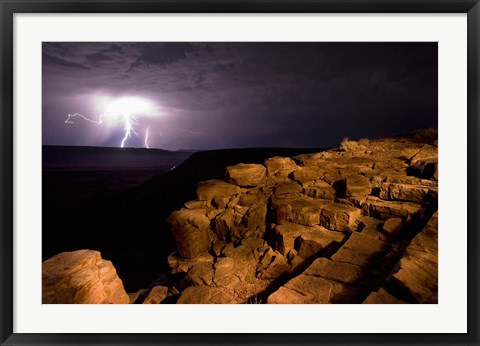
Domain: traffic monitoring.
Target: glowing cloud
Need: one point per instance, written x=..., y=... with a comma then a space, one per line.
x=126, y=110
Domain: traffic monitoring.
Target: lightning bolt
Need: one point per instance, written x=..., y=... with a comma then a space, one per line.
x=128, y=129
x=146, y=137
x=126, y=110
x=70, y=116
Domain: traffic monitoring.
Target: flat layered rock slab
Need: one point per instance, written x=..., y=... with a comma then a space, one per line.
x=338, y=271
x=303, y=289
x=361, y=250
x=339, y=217
x=304, y=211
x=309, y=240
x=408, y=192
x=318, y=285
x=205, y=295
x=358, y=185
x=320, y=189
x=381, y=209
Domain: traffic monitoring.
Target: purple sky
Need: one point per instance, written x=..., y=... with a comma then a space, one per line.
x=225, y=95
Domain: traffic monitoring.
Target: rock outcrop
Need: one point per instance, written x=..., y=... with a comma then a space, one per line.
x=341, y=226
x=81, y=277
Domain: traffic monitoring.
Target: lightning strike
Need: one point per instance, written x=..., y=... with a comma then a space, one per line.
x=126, y=110
x=146, y=137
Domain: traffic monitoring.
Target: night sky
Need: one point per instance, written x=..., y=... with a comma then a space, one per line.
x=231, y=95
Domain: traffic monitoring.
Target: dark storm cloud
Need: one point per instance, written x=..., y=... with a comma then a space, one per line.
x=160, y=54
x=216, y=95
x=51, y=60
x=96, y=57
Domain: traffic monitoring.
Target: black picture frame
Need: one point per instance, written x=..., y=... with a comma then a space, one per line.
x=9, y=7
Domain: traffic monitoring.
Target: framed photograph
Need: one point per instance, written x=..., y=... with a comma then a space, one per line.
x=239, y=172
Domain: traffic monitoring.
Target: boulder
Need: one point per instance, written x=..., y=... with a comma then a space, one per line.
x=246, y=174
x=81, y=277
x=209, y=189
x=190, y=231
x=205, y=295
x=156, y=295
x=280, y=167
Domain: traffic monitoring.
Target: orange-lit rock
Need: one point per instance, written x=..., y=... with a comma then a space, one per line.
x=81, y=277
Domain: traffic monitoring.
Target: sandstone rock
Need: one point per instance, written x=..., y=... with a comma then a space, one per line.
x=418, y=270
x=253, y=243
x=200, y=274
x=384, y=210
x=288, y=188
x=303, y=289
x=312, y=243
x=338, y=271
x=182, y=265
x=223, y=224
x=246, y=174
x=338, y=217
x=371, y=227
x=315, y=159
x=280, y=167
x=190, y=231
x=382, y=297
x=196, y=204
x=220, y=202
x=306, y=174
x=407, y=192
x=250, y=199
x=358, y=185
x=254, y=221
x=156, y=295
x=303, y=211
x=313, y=238
x=205, y=295
x=137, y=296
x=320, y=189
x=209, y=189
x=81, y=277
x=393, y=226
x=274, y=267
x=360, y=250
